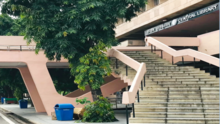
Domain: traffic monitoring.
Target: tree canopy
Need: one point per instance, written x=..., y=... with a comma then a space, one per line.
x=69, y=28
x=11, y=26
x=11, y=83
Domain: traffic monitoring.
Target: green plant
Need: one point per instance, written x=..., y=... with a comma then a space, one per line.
x=92, y=69
x=82, y=101
x=99, y=111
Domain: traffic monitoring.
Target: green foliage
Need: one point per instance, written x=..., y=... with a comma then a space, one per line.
x=82, y=101
x=6, y=22
x=11, y=83
x=69, y=28
x=93, y=67
x=63, y=80
x=99, y=111
x=18, y=93
x=10, y=26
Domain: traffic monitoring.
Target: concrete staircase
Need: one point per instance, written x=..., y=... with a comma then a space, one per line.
x=173, y=94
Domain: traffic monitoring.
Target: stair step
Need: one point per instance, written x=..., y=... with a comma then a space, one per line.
x=191, y=93
x=172, y=120
x=181, y=76
x=173, y=115
x=186, y=89
x=178, y=103
x=170, y=85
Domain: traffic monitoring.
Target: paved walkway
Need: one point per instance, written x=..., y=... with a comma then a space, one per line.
x=2, y=121
x=42, y=118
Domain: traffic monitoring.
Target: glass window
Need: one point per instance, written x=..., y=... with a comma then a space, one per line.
x=156, y=2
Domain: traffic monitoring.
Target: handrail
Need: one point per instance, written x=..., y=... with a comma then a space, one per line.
x=198, y=55
x=17, y=47
x=129, y=96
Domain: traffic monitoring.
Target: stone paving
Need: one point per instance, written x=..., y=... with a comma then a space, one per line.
x=42, y=118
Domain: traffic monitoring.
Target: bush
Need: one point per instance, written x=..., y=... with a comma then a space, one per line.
x=99, y=111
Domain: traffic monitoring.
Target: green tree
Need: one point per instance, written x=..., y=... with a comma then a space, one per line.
x=69, y=28
x=63, y=81
x=92, y=69
x=6, y=22
x=10, y=26
x=11, y=83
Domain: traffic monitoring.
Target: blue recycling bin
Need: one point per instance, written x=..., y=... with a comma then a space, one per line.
x=23, y=103
x=2, y=100
x=64, y=112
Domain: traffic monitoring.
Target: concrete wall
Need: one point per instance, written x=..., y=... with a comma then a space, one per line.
x=150, y=5
x=179, y=41
x=166, y=9
x=209, y=43
x=132, y=43
x=13, y=40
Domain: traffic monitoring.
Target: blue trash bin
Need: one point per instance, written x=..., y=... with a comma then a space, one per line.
x=23, y=103
x=64, y=112
x=2, y=100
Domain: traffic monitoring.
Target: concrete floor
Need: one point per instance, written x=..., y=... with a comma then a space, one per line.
x=42, y=118
x=2, y=121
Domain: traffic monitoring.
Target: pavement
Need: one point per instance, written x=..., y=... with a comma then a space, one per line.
x=2, y=121
x=43, y=118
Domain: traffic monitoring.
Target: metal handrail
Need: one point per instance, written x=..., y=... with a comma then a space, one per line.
x=18, y=47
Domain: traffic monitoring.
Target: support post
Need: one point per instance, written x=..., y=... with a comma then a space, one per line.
x=172, y=60
x=144, y=81
x=182, y=60
x=116, y=103
x=116, y=63
x=133, y=110
x=138, y=96
x=141, y=85
x=127, y=114
x=161, y=54
x=126, y=70
x=194, y=61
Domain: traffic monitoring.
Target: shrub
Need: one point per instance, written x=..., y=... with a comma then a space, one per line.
x=99, y=111
x=82, y=101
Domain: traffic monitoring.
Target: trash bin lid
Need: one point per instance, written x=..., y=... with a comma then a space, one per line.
x=64, y=105
x=22, y=100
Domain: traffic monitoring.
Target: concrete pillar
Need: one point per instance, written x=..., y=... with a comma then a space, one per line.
x=30, y=85
x=46, y=89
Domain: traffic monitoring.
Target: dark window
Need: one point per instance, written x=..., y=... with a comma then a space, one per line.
x=156, y=2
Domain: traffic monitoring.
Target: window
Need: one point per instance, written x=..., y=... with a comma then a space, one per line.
x=156, y=2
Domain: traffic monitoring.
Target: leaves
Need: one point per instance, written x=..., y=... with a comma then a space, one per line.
x=11, y=83
x=80, y=23
x=93, y=67
x=10, y=26
x=82, y=101
x=99, y=111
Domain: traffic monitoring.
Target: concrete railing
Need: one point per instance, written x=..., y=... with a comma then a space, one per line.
x=129, y=96
x=186, y=52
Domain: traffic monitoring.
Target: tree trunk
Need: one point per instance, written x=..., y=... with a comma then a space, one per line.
x=64, y=93
x=95, y=93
